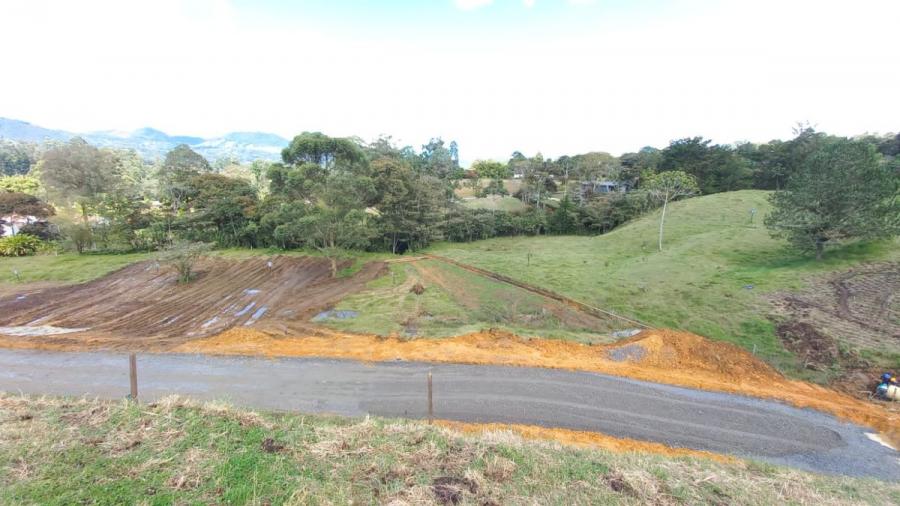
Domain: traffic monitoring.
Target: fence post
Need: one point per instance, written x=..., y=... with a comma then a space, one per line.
x=132, y=363
x=430, y=405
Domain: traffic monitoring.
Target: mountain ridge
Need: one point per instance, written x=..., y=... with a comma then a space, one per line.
x=151, y=143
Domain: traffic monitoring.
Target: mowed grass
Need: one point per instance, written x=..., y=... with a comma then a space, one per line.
x=712, y=277
x=75, y=451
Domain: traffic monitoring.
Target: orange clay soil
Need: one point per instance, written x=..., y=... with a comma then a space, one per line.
x=666, y=356
x=584, y=439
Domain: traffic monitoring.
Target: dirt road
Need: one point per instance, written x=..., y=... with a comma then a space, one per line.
x=678, y=417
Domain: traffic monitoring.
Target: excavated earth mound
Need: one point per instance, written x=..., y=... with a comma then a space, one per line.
x=143, y=306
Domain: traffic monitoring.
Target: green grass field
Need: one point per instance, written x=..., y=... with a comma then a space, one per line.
x=65, y=268
x=74, y=451
x=388, y=307
x=496, y=203
x=711, y=278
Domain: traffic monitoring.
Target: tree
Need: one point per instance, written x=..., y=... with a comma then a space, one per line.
x=180, y=166
x=666, y=187
x=79, y=172
x=490, y=169
x=16, y=158
x=564, y=219
x=322, y=150
x=259, y=169
x=224, y=205
x=23, y=204
x=716, y=168
x=408, y=204
x=842, y=190
x=138, y=177
x=439, y=161
x=124, y=214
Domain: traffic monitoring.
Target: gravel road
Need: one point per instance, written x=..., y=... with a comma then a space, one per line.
x=762, y=430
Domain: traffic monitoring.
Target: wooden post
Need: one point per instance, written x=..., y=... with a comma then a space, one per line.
x=430, y=405
x=132, y=362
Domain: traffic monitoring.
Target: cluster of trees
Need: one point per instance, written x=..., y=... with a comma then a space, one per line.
x=334, y=194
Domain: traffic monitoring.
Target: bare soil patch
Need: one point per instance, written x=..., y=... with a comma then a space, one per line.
x=826, y=324
x=860, y=307
x=144, y=306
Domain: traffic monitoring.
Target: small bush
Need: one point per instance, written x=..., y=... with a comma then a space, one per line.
x=19, y=245
x=182, y=256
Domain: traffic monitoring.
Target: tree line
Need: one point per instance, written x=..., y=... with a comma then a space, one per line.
x=336, y=194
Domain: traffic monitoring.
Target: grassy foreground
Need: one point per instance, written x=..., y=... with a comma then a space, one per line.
x=77, y=451
x=712, y=277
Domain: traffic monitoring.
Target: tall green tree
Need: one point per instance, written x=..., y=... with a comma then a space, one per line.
x=16, y=158
x=225, y=206
x=842, y=190
x=490, y=169
x=180, y=166
x=666, y=187
x=23, y=204
x=715, y=167
x=320, y=149
x=80, y=173
x=564, y=219
x=441, y=161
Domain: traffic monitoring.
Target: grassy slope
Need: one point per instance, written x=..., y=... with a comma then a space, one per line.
x=65, y=268
x=66, y=451
x=495, y=203
x=699, y=282
x=387, y=307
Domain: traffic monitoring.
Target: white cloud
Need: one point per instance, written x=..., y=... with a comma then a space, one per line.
x=729, y=71
x=529, y=3
x=468, y=5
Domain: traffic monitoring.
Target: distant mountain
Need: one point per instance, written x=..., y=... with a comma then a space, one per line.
x=151, y=143
x=23, y=131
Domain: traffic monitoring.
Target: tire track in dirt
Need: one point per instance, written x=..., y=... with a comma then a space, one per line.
x=143, y=304
x=448, y=277
x=575, y=304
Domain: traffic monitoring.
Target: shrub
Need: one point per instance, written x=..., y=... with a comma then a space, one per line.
x=182, y=255
x=19, y=245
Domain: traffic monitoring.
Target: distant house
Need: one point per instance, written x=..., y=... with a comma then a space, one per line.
x=590, y=188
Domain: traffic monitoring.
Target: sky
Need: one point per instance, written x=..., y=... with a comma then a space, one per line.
x=550, y=76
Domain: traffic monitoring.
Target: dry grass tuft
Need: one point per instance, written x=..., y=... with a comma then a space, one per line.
x=192, y=469
x=499, y=469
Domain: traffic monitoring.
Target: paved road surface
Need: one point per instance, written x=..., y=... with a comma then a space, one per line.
x=762, y=430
